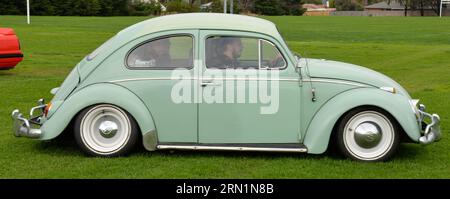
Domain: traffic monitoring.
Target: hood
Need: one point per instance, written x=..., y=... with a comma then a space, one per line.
x=319, y=68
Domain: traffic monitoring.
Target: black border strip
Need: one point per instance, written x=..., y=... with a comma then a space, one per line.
x=289, y=188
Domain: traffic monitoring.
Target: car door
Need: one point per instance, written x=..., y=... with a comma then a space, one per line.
x=251, y=99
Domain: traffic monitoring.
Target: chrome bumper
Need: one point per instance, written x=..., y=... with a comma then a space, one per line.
x=23, y=127
x=432, y=131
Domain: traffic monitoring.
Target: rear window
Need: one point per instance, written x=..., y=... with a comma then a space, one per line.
x=163, y=53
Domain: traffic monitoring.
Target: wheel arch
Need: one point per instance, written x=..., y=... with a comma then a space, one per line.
x=319, y=131
x=100, y=93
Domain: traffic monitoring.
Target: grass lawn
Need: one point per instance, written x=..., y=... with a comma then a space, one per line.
x=413, y=51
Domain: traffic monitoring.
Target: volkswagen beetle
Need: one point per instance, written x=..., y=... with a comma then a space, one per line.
x=224, y=82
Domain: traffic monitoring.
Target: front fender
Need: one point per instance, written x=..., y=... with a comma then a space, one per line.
x=321, y=126
x=98, y=94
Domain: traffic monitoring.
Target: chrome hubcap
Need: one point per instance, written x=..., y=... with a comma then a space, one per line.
x=108, y=129
x=105, y=129
x=368, y=135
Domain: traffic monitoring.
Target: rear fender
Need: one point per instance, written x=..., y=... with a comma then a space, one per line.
x=102, y=93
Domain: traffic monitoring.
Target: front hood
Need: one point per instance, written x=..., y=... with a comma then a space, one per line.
x=339, y=70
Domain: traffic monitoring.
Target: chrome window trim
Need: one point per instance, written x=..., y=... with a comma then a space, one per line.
x=192, y=36
x=242, y=36
x=261, y=55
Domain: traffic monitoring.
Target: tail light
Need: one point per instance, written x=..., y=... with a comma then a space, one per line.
x=47, y=109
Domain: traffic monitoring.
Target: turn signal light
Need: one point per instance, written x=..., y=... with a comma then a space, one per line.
x=47, y=108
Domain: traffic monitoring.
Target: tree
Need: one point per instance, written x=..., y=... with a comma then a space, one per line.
x=42, y=7
x=11, y=7
x=418, y=5
x=141, y=8
x=405, y=3
x=180, y=6
x=435, y=5
x=292, y=7
x=347, y=5
x=246, y=5
x=216, y=6
x=268, y=7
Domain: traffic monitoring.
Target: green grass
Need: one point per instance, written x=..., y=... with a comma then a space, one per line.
x=413, y=51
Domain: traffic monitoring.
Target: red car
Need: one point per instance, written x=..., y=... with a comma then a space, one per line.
x=10, y=53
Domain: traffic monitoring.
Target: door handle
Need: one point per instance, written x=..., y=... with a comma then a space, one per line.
x=204, y=84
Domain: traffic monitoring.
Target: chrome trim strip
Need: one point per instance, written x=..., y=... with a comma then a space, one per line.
x=259, y=54
x=165, y=78
x=335, y=82
x=147, y=78
x=388, y=89
x=225, y=148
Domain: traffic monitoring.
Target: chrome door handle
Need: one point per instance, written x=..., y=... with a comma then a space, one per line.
x=203, y=84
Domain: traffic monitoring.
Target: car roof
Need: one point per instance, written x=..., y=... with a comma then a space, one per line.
x=216, y=21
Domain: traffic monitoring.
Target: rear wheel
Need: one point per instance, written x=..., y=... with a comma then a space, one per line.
x=105, y=130
x=368, y=134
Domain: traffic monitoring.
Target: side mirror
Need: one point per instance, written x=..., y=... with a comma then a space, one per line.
x=299, y=63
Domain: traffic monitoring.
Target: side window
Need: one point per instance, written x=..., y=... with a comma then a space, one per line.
x=164, y=53
x=270, y=56
x=241, y=52
x=231, y=52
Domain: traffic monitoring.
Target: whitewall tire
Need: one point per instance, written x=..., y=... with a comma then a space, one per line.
x=105, y=130
x=368, y=134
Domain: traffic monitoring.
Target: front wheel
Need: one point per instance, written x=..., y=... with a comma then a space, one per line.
x=105, y=130
x=368, y=134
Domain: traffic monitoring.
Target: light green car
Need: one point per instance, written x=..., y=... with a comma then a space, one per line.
x=225, y=82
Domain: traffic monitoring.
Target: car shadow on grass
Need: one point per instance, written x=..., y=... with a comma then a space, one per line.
x=408, y=151
x=405, y=152
x=65, y=145
x=239, y=154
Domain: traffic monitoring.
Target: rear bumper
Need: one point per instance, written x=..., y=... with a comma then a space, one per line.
x=23, y=127
x=431, y=132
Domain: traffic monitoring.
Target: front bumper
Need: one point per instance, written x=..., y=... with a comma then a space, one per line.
x=432, y=131
x=23, y=127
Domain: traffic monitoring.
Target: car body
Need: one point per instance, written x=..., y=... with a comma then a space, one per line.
x=319, y=100
x=10, y=53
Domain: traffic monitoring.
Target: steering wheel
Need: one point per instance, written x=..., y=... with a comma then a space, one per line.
x=277, y=62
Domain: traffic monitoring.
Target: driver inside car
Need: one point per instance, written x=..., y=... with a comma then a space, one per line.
x=228, y=50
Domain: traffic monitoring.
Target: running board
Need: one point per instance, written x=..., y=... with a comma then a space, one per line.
x=232, y=148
